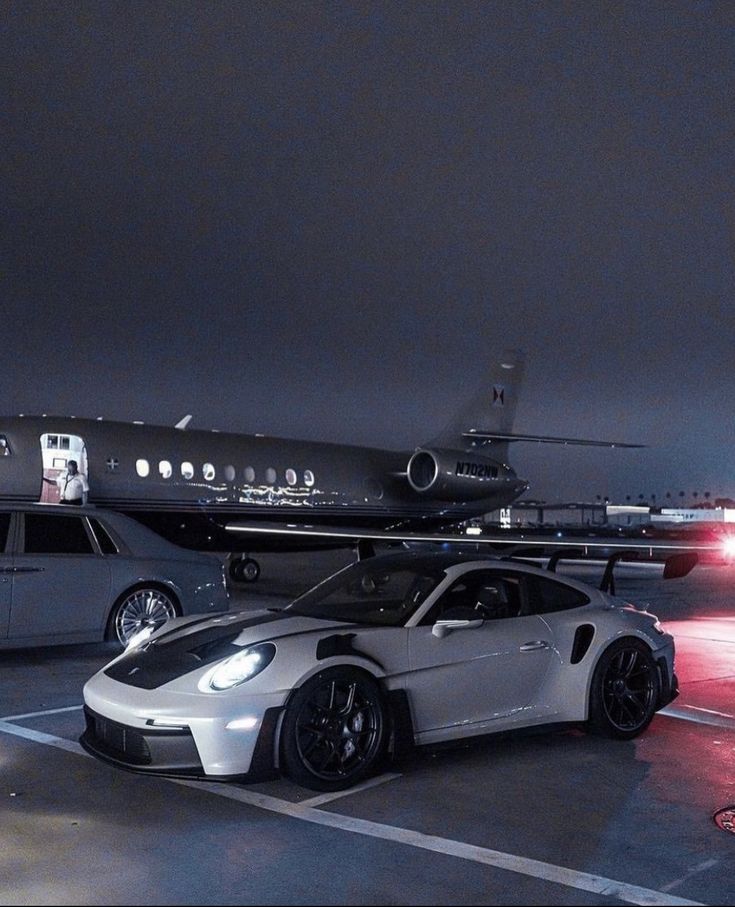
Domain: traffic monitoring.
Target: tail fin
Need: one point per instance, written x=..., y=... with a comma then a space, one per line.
x=492, y=408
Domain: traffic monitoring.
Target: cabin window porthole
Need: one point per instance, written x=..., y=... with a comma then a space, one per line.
x=291, y=476
x=249, y=475
x=143, y=468
x=165, y=469
x=270, y=476
x=230, y=473
x=187, y=471
x=208, y=472
x=309, y=478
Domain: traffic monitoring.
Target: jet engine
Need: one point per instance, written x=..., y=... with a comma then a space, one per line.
x=453, y=475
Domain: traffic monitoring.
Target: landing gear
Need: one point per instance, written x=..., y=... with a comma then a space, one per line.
x=244, y=570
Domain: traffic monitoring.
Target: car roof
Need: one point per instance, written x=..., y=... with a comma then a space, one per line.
x=88, y=509
x=433, y=560
x=446, y=561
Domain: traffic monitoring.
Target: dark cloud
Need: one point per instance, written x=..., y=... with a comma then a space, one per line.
x=322, y=221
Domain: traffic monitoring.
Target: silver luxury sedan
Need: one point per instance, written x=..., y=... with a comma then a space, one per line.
x=79, y=574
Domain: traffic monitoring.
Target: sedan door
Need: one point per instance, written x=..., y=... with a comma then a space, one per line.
x=6, y=574
x=61, y=585
x=482, y=672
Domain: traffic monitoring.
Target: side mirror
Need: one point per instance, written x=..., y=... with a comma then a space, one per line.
x=443, y=628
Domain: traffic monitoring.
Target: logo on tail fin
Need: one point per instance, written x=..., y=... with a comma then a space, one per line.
x=498, y=395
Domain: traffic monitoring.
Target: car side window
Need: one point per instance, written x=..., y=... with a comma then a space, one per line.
x=4, y=527
x=547, y=596
x=46, y=534
x=478, y=595
x=107, y=546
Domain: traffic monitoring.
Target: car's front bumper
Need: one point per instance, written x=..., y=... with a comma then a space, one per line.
x=172, y=753
x=175, y=733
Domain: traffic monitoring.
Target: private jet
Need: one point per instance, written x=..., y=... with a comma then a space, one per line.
x=237, y=493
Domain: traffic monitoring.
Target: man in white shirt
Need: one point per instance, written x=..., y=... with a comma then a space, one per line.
x=73, y=487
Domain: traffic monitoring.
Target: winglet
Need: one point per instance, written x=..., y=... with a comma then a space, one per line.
x=183, y=423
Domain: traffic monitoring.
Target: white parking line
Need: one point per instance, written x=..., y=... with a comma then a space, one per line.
x=366, y=785
x=548, y=872
x=695, y=870
x=710, y=718
x=571, y=878
x=69, y=708
x=38, y=737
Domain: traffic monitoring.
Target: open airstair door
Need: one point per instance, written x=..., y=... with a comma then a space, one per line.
x=57, y=448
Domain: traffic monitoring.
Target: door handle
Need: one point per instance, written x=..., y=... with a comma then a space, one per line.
x=535, y=646
x=27, y=570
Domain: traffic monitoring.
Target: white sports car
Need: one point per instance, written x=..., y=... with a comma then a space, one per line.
x=392, y=651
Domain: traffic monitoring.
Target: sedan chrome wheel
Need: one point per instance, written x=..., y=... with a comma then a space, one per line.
x=141, y=609
x=335, y=730
x=625, y=690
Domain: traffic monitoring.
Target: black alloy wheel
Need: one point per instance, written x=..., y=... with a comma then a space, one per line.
x=334, y=730
x=625, y=690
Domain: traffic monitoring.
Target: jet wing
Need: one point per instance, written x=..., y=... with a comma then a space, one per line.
x=516, y=542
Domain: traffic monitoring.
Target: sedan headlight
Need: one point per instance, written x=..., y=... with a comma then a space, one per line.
x=241, y=667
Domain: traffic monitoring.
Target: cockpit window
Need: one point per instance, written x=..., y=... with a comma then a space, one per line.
x=370, y=593
x=4, y=446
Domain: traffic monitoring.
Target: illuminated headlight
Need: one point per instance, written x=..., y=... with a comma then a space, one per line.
x=137, y=639
x=241, y=667
x=728, y=546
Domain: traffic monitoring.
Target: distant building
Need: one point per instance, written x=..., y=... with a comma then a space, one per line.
x=697, y=515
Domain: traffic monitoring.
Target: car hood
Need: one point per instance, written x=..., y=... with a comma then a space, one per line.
x=183, y=646
x=248, y=627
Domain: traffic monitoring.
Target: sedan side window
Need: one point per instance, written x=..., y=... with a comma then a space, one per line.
x=547, y=596
x=107, y=546
x=45, y=534
x=4, y=527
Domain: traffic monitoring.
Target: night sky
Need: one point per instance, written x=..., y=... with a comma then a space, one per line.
x=323, y=220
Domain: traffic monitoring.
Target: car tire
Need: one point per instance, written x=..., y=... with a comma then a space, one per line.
x=144, y=606
x=625, y=690
x=334, y=730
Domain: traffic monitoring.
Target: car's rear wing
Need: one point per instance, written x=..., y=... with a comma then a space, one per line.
x=675, y=566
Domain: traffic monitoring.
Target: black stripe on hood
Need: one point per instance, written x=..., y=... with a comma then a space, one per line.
x=182, y=651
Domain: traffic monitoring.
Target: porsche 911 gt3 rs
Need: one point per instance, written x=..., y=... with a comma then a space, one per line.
x=390, y=652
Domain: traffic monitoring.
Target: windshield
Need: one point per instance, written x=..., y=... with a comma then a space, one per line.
x=370, y=593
